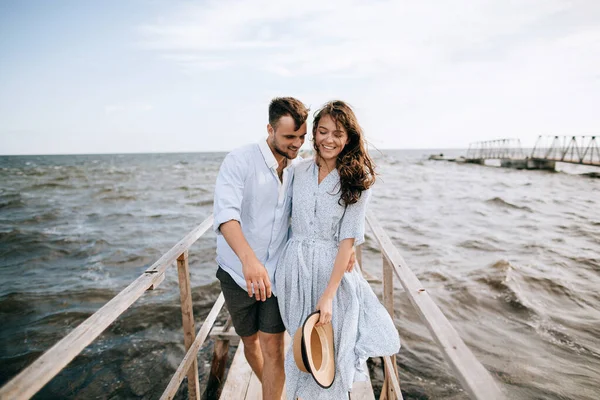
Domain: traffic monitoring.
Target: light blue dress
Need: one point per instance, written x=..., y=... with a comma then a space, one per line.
x=362, y=326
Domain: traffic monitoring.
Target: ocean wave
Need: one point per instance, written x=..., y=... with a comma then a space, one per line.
x=52, y=215
x=119, y=197
x=476, y=244
x=555, y=333
x=498, y=201
x=12, y=200
x=17, y=236
x=589, y=262
x=594, y=175
x=551, y=286
x=202, y=203
x=50, y=185
x=499, y=277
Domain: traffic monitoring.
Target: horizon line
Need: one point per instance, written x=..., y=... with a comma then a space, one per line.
x=196, y=152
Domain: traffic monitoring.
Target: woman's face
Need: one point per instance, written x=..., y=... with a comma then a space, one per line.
x=330, y=139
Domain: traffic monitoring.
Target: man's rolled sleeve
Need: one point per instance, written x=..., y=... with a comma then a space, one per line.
x=229, y=191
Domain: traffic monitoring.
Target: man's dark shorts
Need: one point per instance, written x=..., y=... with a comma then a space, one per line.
x=248, y=314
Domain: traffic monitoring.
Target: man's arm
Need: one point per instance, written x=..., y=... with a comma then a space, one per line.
x=229, y=193
x=255, y=273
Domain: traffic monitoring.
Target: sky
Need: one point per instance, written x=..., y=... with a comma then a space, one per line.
x=135, y=76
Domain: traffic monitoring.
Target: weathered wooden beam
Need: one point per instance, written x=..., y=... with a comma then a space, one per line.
x=221, y=336
x=362, y=390
x=254, y=389
x=391, y=379
x=474, y=378
x=388, y=302
x=187, y=317
x=388, y=287
x=219, y=333
x=160, y=279
x=238, y=377
x=192, y=353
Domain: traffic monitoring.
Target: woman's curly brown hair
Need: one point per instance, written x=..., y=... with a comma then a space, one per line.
x=355, y=167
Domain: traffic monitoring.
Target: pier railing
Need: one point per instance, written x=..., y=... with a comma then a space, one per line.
x=583, y=150
x=570, y=149
x=495, y=149
x=474, y=378
x=471, y=374
x=29, y=381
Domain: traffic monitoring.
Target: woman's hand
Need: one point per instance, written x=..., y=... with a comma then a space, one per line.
x=325, y=306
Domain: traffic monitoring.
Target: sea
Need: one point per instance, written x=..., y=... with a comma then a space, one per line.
x=511, y=257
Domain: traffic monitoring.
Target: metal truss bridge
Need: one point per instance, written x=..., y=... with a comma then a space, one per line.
x=548, y=149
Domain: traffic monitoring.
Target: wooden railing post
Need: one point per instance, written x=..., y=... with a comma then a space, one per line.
x=217, y=368
x=187, y=315
x=387, y=391
x=388, y=287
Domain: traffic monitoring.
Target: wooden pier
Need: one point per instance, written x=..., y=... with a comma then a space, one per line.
x=241, y=383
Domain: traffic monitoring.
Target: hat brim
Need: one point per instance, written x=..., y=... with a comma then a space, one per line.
x=314, y=350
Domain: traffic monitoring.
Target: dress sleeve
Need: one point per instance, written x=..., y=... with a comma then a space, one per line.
x=229, y=191
x=353, y=221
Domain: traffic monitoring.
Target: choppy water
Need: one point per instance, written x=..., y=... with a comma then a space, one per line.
x=511, y=257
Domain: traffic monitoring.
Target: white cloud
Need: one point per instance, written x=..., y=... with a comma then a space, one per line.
x=130, y=107
x=443, y=73
x=360, y=37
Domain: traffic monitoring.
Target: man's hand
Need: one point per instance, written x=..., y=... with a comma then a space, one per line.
x=257, y=279
x=350, y=266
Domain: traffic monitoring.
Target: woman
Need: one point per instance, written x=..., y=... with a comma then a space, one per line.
x=330, y=194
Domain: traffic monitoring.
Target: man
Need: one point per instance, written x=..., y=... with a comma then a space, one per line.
x=252, y=208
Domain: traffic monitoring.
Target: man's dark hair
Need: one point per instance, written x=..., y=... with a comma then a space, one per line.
x=281, y=106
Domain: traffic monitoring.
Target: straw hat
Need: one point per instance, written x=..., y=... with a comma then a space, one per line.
x=313, y=350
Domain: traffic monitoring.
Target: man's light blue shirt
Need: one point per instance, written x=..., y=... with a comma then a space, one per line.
x=248, y=190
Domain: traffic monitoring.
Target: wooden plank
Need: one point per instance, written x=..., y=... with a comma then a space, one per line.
x=160, y=279
x=238, y=376
x=218, y=333
x=362, y=390
x=254, y=389
x=474, y=378
x=391, y=373
x=388, y=302
x=29, y=381
x=187, y=317
x=192, y=353
x=388, y=287
x=216, y=377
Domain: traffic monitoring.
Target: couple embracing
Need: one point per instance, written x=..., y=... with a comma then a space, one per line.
x=275, y=272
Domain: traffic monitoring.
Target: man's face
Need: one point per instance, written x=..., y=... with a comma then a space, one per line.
x=285, y=140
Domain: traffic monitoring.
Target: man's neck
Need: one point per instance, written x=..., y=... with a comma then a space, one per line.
x=281, y=159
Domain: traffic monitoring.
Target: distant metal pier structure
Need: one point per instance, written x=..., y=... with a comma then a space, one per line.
x=548, y=150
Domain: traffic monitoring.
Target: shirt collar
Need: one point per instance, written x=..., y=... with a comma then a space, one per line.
x=268, y=155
